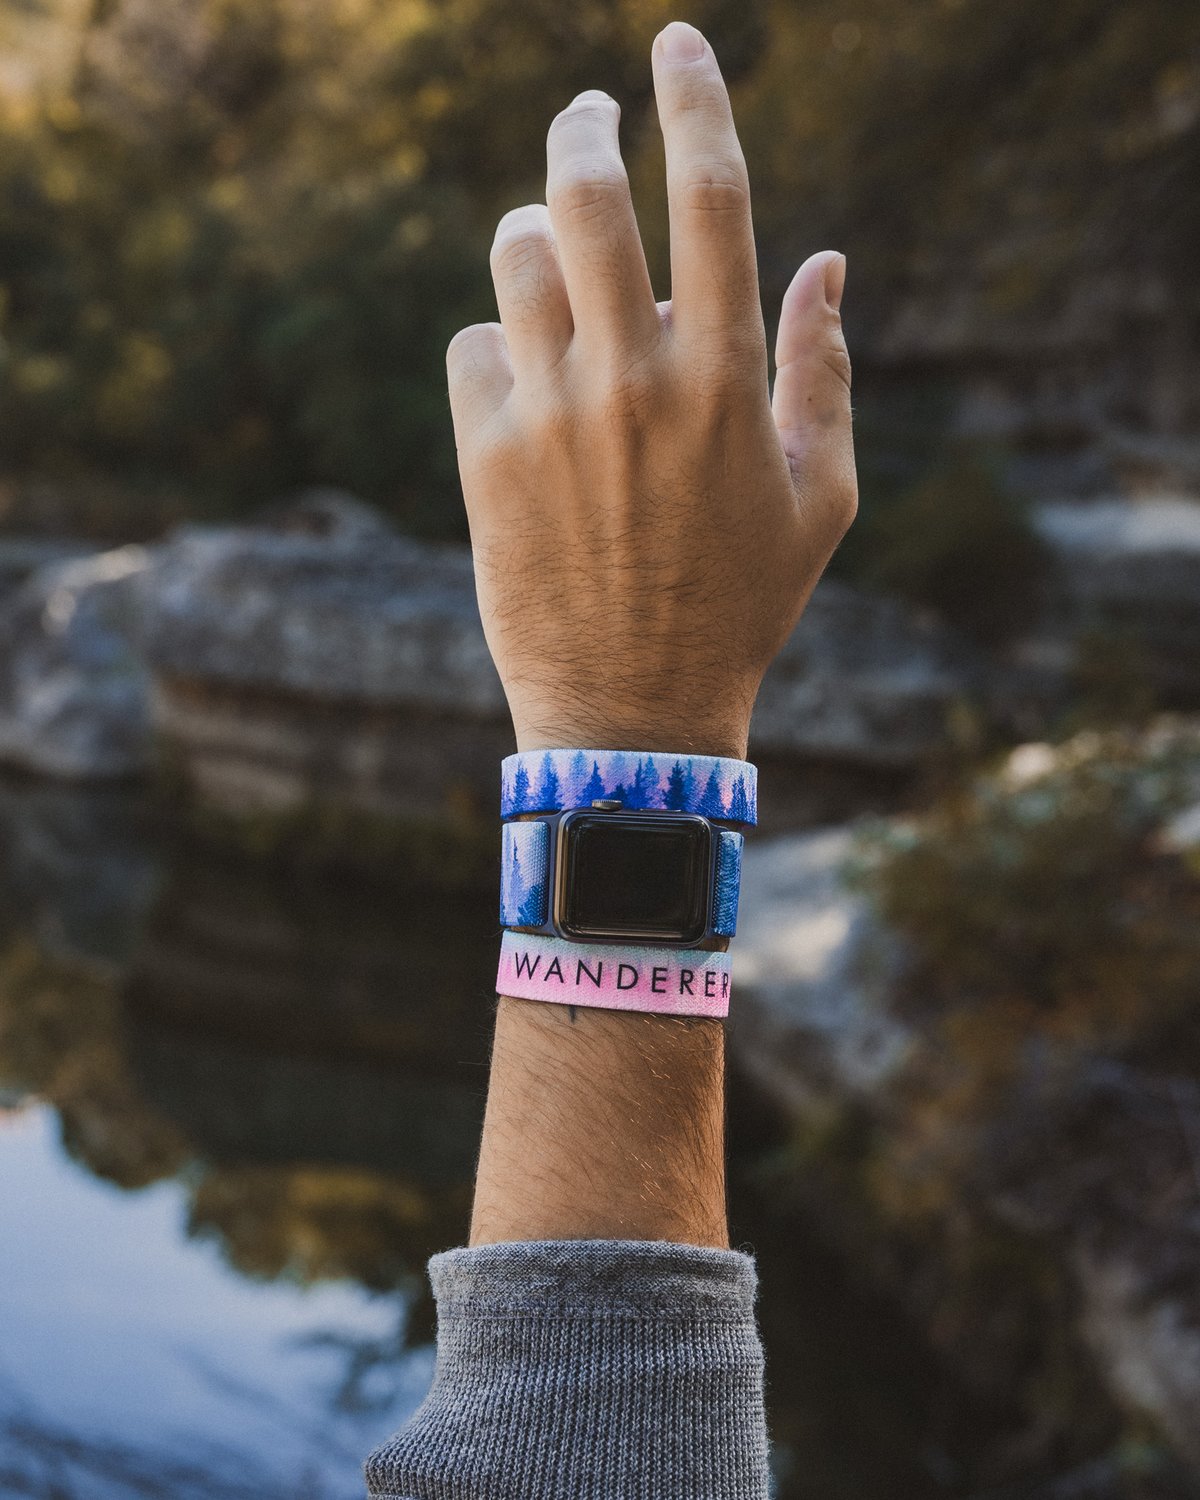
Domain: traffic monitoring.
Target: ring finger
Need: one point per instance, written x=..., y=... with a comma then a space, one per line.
x=530, y=292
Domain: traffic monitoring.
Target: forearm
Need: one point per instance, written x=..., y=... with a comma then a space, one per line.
x=602, y=1125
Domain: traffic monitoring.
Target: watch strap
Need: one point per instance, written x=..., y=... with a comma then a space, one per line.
x=727, y=882
x=539, y=781
x=662, y=981
x=525, y=876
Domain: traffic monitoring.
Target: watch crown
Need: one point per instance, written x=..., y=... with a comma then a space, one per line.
x=608, y=804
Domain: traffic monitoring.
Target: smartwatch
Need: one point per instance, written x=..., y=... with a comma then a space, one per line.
x=606, y=873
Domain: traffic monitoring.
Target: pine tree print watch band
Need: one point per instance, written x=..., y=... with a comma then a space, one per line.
x=620, y=878
x=556, y=780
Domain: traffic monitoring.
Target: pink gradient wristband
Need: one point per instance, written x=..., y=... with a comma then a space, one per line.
x=614, y=976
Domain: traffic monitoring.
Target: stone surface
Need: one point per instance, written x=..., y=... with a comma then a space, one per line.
x=1130, y=571
x=816, y=968
x=74, y=699
x=1151, y=1347
x=21, y=557
x=322, y=661
x=368, y=618
x=862, y=680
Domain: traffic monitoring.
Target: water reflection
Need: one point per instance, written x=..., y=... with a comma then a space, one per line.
x=285, y=1073
x=134, y=1362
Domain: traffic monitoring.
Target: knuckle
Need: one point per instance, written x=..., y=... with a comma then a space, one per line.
x=465, y=344
x=718, y=184
x=707, y=194
x=493, y=446
x=529, y=216
x=550, y=434
x=587, y=192
x=632, y=397
x=518, y=248
x=592, y=107
x=474, y=351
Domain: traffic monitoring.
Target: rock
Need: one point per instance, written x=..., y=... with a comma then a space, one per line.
x=368, y=618
x=943, y=1124
x=21, y=557
x=74, y=699
x=344, y=670
x=324, y=511
x=862, y=680
x=1150, y=1347
x=1129, y=571
x=1181, y=835
x=388, y=621
x=816, y=965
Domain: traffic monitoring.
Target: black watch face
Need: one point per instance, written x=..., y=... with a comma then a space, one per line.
x=631, y=875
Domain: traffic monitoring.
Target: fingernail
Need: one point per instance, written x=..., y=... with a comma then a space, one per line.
x=835, y=280
x=681, y=42
x=595, y=94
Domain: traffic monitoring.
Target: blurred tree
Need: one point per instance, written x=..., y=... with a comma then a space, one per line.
x=236, y=235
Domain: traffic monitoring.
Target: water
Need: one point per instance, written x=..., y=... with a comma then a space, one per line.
x=136, y=1360
x=239, y=1105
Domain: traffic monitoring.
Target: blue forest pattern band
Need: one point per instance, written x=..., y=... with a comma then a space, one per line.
x=728, y=882
x=525, y=871
x=555, y=780
x=525, y=874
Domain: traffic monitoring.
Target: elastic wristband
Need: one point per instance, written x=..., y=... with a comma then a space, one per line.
x=612, y=976
x=539, y=781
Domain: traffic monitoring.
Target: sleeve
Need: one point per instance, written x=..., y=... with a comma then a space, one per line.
x=587, y=1370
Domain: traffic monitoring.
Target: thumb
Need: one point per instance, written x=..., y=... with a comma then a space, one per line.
x=811, y=399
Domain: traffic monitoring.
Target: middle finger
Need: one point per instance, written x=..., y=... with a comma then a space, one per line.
x=587, y=193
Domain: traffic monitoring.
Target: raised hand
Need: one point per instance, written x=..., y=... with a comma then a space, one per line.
x=647, y=518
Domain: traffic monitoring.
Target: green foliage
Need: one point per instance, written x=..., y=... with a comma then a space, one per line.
x=1047, y=883
x=236, y=235
x=959, y=543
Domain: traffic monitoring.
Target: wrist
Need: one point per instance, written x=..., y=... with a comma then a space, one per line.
x=653, y=734
x=707, y=718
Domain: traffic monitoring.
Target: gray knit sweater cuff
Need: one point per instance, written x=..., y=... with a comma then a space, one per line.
x=587, y=1370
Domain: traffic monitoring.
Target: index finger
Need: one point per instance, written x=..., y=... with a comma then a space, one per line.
x=714, y=274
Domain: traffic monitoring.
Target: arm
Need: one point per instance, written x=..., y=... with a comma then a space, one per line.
x=646, y=531
x=602, y=1125
x=647, y=522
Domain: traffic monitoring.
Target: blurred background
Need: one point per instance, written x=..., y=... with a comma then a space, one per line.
x=249, y=733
